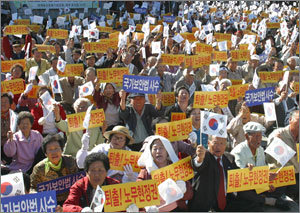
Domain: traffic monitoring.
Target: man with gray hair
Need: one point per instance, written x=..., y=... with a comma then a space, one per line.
x=249, y=154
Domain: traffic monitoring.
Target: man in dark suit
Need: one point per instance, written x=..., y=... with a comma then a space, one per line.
x=210, y=181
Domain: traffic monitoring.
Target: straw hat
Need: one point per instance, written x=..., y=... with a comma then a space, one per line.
x=119, y=130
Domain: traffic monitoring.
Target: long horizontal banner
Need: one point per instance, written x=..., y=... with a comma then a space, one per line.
x=195, y=61
x=119, y=196
x=114, y=75
x=244, y=179
x=75, y=121
x=16, y=86
x=210, y=100
x=181, y=170
x=141, y=84
x=71, y=70
x=58, y=33
x=176, y=130
x=259, y=96
x=37, y=202
x=119, y=158
x=237, y=91
x=60, y=185
x=167, y=98
x=7, y=65
x=285, y=177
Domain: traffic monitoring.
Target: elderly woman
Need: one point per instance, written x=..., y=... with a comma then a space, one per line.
x=23, y=145
x=158, y=154
x=54, y=166
x=107, y=98
x=43, y=118
x=118, y=138
x=182, y=95
x=96, y=166
x=73, y=143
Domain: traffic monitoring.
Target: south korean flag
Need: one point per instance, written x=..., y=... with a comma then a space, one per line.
x=213, y=124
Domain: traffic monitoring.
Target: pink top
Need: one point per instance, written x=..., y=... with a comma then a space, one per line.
x=22, y=150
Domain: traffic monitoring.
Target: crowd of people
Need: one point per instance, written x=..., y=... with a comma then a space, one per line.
x=44, y=148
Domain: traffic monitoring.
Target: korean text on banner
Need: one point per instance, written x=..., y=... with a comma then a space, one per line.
x=237, y=91
x=172, y=60
x=181, y=170
x=259, y=96
x=75, y=121
x=270, y=77
x=244, y=179
x=285, y=177
x=60, y=185
x=16, y=30
x=71, y=70
x=219, y=56
x=39, y=202
x=211, y=99
x=167, y=99
x=177, y=116
x=236, y=81
x=197, y=60
x=203, y=48
x=114, y=75
x=100, y=47
x=7, y=65
x=141, y=84
x=45, y=48
x=58, y=33
x=119, y=158
x=176, y=130
x=22, y=22
x=222, y=36
x=120, y=196
x=16, y=86
x=240, y=55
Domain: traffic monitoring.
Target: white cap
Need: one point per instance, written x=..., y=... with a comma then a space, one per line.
x=251, y=127
x=255, y=57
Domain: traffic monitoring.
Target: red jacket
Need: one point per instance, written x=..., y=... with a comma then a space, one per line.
x=78, y=197
x=37, y=113
x=7, y=47
x=102, y=102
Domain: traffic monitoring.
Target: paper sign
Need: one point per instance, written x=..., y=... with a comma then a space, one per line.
x=270, y=77
x=177, y=116
x=188, y=36
x=7, y=65
x=259, y=96
x=75, y=121
x=181, y=170
x=58, y=33
x=273, y=25
x=36, y=202
x=222, y=36
x=33, y=92
x=244, y=179
x=240, y=55
x=71, y=70
x=236, y=81
x=172, y=60
x=168, y=98
x=61, y=184
x=119, y=158
x=141, y=84
x=16, y=30
x=211, y=99
x=22, y=22
x=16, y=86
x=203, y=48
x=176, y=130
x=219, y=56
x=114, y=75
x=120, y=196
x=237, y=91
x=100, y=47
x=105, y=29
x=285, y=177
x=197, y=60
x=45, y=48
